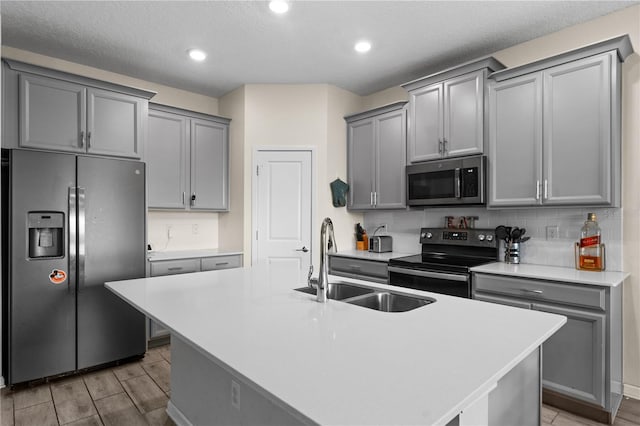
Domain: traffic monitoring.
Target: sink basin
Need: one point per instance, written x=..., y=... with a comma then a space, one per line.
x=390, y=302
x=340, y=291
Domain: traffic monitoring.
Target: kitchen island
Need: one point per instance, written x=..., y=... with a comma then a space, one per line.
x=247, y=348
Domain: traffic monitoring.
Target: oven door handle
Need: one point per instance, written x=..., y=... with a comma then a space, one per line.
x=429, y=274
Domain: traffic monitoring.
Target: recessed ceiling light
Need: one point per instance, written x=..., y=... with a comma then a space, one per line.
x=362, y=46
x=278, y=6
x=197, y=55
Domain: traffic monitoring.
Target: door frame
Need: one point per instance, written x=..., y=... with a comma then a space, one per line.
x=254, y=193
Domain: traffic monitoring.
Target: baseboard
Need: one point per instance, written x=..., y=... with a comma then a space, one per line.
x=581, y=408
x=631, y=391
x=176, y=415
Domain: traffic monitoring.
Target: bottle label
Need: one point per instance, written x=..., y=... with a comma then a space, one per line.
x=590, y=241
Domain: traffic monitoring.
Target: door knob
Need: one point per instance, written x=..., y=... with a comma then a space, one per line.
x=303, y=249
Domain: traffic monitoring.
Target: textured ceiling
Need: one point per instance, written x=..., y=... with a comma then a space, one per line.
x=312, y=43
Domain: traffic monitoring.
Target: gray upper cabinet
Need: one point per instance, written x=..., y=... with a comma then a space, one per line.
x=446, y=112
x=187, y=157
x=376, y=152
x=555, y=130
x=53, y=110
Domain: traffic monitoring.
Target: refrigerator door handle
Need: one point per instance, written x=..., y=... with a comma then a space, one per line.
x=73, y=217
x=81, y=237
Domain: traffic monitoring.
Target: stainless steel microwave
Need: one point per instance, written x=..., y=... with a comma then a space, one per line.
x=447, y=182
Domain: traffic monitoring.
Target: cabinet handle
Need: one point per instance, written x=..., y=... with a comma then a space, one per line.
x=193, y=199
x=440, y=146
x=81, y=138
x=444, y=147
x=546, y=192
x=526, y=290
x=355, y=267
x=183, y=197
x=371, y=198
x=175, y=268
x=375, y=198
x=88, y=139
x=537, y=190
x=222, y=263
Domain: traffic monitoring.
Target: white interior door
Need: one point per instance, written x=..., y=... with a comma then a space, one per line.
x=282, y=213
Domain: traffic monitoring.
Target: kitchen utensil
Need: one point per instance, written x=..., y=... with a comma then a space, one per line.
x=522, y=240
x=515, y=234
x=501, y=232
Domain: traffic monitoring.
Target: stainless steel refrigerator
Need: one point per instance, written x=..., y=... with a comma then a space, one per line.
x=69, y=224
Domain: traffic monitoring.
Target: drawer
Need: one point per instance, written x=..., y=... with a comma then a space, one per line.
x=221, y=262
x=358, y=267
x=590, y=296
x=172, y=267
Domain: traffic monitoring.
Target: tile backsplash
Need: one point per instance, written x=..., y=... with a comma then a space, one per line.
x=168, y=231
x=405, y=225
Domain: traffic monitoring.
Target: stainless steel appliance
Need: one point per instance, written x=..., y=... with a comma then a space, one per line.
x=69, y=223
x=443, y=266
x=447, y=182
x=381, y=243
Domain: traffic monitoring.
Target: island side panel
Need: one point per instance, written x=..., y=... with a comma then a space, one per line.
x=518, y=397
x=201, y=393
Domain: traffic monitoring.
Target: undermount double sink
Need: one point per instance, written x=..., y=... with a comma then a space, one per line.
x=378, y=300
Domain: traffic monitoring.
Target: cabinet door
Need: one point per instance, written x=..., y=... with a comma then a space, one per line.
x=390, y=179
x=464, y=114
x=425, y=123
x=515, y=141
x=52, y=114
x=577, y=132
x=114, y=123
x=574, y=357
x=167, y=160
x=361, y=163
x=209, y=165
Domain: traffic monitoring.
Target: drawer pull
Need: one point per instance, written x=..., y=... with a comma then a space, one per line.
x=222, y=263
x=355, y=267
x=526, y=290
x=175, y=268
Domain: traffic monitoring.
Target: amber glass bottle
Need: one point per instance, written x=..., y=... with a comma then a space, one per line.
x=590, y=249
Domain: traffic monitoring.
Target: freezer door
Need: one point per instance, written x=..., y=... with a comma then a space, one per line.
x=111, y=246
x=42, y=327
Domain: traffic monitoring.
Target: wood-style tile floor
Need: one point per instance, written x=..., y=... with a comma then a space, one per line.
x=137, y=394
x=133, y=394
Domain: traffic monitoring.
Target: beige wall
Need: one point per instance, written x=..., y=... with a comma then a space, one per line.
x=286, y=116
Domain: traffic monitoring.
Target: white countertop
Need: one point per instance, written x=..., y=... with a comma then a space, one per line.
x=338, y=363
x=368, y=255
x=554, y=273
x=153, y=256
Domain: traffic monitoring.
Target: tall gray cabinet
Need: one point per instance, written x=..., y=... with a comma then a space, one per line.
x=447, y=112
x=555, y=129
x=187, y=157
x=53, y=110
x=376, y=156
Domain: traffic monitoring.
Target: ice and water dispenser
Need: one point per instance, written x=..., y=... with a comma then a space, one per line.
x=46, y=234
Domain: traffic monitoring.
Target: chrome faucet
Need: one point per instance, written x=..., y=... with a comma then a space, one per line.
x=327, y=244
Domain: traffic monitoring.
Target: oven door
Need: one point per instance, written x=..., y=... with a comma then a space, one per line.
x=452, y=284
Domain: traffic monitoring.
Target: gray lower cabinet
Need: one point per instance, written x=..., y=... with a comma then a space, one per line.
x=46, y=109
x=582, y=362
x=376, y=156
x=187, y=157
x=554, y=134
x=184, y=266
x=363, y=269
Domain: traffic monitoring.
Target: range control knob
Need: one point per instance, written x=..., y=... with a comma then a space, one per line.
x=423, y=235
x=428, y=235
x=489, y=237
x=481, y=237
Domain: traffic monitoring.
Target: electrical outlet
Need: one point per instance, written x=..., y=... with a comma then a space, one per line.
x=235, y=394
x=169, y=232
x=553, y=232
x=194, y=229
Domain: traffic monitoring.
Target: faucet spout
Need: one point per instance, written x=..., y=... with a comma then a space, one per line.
x=327, y=245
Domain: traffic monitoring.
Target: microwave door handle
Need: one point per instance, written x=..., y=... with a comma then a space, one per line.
x=458, y=183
